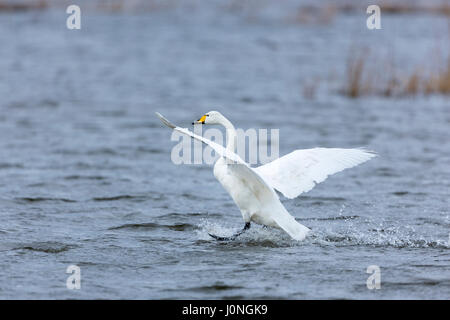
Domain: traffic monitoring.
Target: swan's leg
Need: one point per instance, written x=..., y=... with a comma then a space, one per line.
x=246, y=227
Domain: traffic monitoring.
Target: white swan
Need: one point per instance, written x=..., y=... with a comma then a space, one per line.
x=253, y=189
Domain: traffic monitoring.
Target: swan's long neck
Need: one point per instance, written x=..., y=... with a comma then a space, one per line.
x=231, y=134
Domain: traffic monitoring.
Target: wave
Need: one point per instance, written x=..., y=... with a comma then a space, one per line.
x=152, y=225
x=6, y=165
x=87, y=177
x=218, y=286
x=331, y=218
x=42, y=199
x=137, y=198
x=47, y=247
x=189, y=215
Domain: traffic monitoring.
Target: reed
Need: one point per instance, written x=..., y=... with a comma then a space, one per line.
x=362, y=79
x=15, y=6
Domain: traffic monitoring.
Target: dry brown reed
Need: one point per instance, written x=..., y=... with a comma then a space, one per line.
x=361, y=79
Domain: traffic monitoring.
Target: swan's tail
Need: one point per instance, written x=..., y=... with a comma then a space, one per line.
x=288, y=223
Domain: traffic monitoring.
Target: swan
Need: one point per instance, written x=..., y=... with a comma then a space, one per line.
x=253, y=189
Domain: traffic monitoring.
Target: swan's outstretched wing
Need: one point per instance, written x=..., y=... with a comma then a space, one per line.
x=223, y=152
x=300, y=170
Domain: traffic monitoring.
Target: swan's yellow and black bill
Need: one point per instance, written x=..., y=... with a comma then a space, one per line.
x=200, y=121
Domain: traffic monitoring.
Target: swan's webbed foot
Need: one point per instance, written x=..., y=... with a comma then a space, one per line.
x=233, y=237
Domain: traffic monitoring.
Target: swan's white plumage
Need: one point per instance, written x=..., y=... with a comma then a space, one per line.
x=252, y=189
x=300, y=170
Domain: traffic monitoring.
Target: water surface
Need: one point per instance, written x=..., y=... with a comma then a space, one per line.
x=86, y=176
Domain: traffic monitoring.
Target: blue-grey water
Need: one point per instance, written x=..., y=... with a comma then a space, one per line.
x=86, y=176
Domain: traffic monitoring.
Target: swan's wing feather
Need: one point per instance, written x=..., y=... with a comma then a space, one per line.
x=165, y=121
x=252, y=179
x=223, y=152
x=300, y=170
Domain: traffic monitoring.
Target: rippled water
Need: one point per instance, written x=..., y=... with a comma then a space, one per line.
x=86, y=176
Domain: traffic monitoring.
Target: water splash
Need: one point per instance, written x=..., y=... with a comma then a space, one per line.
x=376, y=235
x=256, y=236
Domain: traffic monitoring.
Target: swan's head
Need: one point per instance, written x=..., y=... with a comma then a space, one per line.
x=212, y=117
